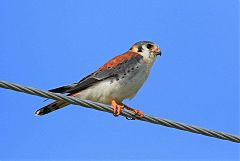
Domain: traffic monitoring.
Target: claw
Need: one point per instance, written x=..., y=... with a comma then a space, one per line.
x=138, y=113
x=116, y=108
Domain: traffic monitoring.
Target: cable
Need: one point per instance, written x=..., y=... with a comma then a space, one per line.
x=126, y=113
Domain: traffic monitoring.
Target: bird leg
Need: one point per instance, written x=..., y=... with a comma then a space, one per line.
x=117, y=108
x=138, y=114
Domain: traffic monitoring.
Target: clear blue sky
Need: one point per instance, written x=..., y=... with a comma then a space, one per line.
x=45, y=44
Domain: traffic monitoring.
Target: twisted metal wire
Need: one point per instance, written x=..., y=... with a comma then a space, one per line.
x=126, y=113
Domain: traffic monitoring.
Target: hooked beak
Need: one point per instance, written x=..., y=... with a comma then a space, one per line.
x=156, y=50
x=159, y=53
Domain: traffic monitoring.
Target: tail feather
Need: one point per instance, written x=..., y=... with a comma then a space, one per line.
x=51, y=107
x=63, y=89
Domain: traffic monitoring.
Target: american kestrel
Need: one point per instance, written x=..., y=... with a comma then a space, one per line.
x=118, y=79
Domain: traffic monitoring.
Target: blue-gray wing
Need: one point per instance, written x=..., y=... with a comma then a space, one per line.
x=112, y=69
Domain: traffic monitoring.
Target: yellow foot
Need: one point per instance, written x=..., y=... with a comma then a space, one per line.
x=138, y=114
x=116, y=108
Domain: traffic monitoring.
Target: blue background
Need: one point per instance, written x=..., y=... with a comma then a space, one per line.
x=45, y=44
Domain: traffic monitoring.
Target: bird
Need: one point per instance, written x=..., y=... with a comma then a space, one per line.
x=118, y=79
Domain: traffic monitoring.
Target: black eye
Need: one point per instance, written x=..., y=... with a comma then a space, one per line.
x=149, y=46
x=140, y=49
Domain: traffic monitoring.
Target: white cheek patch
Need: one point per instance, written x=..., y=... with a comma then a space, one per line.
x=147, y=55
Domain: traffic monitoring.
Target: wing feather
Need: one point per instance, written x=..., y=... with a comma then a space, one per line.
x=118, y=65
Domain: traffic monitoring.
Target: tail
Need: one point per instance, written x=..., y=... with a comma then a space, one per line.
x=51, y=107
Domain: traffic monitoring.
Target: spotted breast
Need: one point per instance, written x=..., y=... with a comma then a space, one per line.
x=121, y=80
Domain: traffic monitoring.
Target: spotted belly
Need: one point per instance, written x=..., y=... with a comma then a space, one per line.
x=125, y=86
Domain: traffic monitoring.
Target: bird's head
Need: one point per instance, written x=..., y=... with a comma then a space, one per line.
x=147, y=49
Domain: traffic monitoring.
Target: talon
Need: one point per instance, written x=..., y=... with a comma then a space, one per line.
x=129, y=118
x=116, y=108
x=138, y=113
